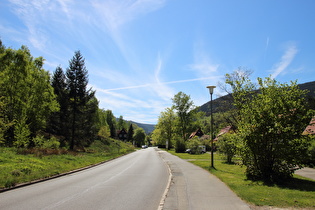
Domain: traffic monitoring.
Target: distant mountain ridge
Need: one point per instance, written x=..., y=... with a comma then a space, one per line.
x=148, y=128
x=223, y=104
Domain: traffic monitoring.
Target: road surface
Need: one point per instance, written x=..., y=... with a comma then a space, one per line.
x=135, y=181
x=306, y=172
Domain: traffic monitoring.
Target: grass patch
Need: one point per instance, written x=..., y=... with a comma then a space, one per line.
x=18, y=166
x=298, y=193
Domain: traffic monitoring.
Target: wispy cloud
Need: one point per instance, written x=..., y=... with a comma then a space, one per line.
x=37, y=16
x=203, y=64
x=140, y=109
x=117, y=13
x=164, y=83
x=160, y=88
x=113, y=15
x=285, y=61
x=267, y=43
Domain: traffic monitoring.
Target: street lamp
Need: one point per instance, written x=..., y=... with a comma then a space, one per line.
x=211, y=88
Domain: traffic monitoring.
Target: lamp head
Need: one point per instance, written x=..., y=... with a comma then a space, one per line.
x=211, y=88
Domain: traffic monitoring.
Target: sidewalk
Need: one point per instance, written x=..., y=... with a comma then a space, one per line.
x=306, y=172
x=194, y=188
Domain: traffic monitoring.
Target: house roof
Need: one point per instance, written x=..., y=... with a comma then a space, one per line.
x=122, y=131
x=196, y=133
x=310, y=129
x=222, y=132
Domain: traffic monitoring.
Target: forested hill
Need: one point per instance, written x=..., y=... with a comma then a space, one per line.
x=148, y=128
x=223, y=103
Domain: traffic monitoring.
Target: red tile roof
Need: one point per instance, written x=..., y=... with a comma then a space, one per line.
x=310, y=129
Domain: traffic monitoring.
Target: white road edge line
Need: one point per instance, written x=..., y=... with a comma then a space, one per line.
x=161, y=205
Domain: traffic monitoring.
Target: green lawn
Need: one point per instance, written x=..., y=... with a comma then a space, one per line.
x=18, y=168
x=298, y=193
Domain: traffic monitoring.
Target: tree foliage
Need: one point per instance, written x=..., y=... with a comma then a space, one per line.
x=139, y=137
x=270, y=126
x=130, y=133
x=185, y=111
x=83, y=105
x=180, y=145
x=37, y=111
x=227, y=144
x=27, y=95
x=58, y=123
x=121, y=123
x=111, y=121
x=165, y=128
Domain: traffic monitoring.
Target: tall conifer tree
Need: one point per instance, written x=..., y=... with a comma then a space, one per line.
x=82, y=103
x=58, y=123
x=130, y=133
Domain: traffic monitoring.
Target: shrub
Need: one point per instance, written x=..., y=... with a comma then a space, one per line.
x=180, y=146
x=51, y=143
x=39, y=141
x=270, y=125
x=227, y=146
x=310, y=158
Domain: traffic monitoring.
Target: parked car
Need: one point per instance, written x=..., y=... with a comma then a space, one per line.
x=201, y=149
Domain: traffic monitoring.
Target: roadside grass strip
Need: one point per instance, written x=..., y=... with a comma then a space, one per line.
x=297, y=193
x=16, y=168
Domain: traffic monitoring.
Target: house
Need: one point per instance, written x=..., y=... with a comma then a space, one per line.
x=122, y=134
x=223, y=131
x=310, y=129
x=198, y=133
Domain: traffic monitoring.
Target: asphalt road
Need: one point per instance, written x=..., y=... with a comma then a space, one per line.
x=135, y=181
x=306, y=172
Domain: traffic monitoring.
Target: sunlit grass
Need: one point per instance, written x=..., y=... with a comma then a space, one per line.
x=20, y=168
x=298, y=193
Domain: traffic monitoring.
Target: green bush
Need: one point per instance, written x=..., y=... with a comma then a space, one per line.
x=180, y=146
x=310, y=158
x=227, y=145
x=51, y=143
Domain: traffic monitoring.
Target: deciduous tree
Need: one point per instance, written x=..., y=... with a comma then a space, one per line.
x=27, y=95
x=139, y=137
x=270, y=127
x=165, y=128
x=184, y=107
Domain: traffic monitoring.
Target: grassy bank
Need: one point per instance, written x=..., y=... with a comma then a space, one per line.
x=20, y=166
x=298, y=193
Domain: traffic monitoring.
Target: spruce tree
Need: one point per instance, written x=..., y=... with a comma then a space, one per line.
x=111, y=121
x=130, y=133
x=58, y=123
x=82, y=103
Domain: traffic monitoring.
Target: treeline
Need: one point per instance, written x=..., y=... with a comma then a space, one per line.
x=37, y=110
x=177, y=122
x=265, y=126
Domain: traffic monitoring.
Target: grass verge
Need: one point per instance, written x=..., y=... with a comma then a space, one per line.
x=298, y=193
x=18, y=166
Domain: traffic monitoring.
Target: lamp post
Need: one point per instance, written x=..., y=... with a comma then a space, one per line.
x=211, y=88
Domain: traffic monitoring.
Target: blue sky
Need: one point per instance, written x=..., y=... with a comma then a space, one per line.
x=140, y=53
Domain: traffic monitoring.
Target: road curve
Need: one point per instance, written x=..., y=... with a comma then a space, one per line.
x=135, y=181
